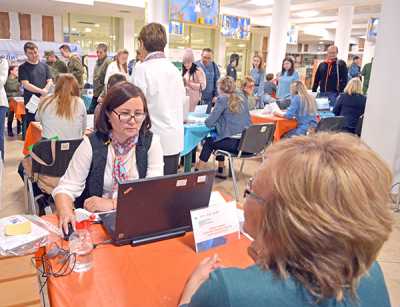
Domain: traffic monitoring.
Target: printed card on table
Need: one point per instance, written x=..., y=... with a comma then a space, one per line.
x=215, y=226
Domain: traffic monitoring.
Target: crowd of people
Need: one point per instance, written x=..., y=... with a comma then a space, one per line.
x=139, y=131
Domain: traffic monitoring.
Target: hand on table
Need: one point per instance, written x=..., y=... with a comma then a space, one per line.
x=66, y=215
x=96, y=203
x=199, y=276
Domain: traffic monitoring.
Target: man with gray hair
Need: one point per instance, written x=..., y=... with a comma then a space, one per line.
x=331, y=76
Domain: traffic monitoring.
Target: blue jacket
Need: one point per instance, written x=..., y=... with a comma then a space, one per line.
x=212, y=76
x=354, y=71
x=304, y=121
x=284, y=82
x=226, y=122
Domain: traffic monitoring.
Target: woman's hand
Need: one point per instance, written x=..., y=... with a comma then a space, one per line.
x=96, y=203
x=278, y=113
x=199, y=275
x=66, y=215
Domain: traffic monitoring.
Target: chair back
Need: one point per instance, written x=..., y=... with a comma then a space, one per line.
x=359, y=125
x=256, y=137
x=283, y=104
x=330, y=124
x=50, y=157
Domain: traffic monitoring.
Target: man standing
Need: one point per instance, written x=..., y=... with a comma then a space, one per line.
x=35, y=77
x=55, y=64
x=331, y=76
x=355, y=68
x=74, y=65
x=162, y=84
x=366, y=73
x=212, y=73
x=99, y=75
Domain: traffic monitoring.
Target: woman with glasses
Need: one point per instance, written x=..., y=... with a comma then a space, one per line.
x=318, y=226
x=122, y=148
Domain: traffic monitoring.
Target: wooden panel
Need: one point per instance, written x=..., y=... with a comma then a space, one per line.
x=4, y=25
x=25, y=27
x=48, y=28
x=19, y=285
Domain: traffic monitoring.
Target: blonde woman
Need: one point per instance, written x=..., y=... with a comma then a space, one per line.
x=318, y=226
x=120, y=65
x=351, y=105
x=302, y=107
x=63, y=114
x=229, y=117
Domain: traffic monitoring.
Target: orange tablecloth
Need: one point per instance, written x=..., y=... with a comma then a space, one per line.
x=148, y=275
x=18, y=107
x=283, y=125
x=32, y=136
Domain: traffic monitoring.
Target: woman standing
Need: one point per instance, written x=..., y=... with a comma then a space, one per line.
x=229, y=117
x=303, y=108
x=233, y=64
x=258, y=75
x=120, y=65
x=351, y=105
x=12, y=90
x=193, y=78
x=63, y=114
x=285, y=78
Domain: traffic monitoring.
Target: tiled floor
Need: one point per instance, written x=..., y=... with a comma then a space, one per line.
x=12, y=202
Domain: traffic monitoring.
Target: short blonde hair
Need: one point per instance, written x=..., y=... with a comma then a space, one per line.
x=354, y=87
x=246, y=80
x=328, y=213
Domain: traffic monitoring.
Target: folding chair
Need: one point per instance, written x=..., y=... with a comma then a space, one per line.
x=252, y=145
x=49, y=158
x=330, y=124
x=359, y=125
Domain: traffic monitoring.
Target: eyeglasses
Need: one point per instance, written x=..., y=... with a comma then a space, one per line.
x=125, y=117
x=249, y=192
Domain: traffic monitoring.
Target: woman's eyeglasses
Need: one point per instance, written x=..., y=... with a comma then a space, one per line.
x=126, y=117
x=249, y=192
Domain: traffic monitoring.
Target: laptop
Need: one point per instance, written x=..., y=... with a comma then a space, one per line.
x=158, y=208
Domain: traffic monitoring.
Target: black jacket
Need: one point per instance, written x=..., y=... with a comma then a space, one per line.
x=231, y=71
x=330, y=83
x=95, y=180
x=351, y=107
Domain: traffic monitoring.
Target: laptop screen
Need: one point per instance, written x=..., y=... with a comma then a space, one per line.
x=158, y=205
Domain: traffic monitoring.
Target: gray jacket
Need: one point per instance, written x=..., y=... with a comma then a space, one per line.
x=226, y=122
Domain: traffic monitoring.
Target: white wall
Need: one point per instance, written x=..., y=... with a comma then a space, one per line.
x=381, y=129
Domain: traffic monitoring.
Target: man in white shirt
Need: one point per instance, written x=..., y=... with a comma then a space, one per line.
x=163, y=87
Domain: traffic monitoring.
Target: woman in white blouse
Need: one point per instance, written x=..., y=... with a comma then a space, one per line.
x=63, y=114
x=123, y=148
x=120, y=65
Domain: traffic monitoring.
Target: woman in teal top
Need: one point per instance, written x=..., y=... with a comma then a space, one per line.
x=285, y=78
x=318, y=226
x=258, y=75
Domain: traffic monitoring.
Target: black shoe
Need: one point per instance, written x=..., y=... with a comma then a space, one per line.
x=10, y=133
x=220, y=173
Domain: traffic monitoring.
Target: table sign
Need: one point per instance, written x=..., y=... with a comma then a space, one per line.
x=215, y=226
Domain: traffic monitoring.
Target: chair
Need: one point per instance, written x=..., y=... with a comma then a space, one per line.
x=252, y=145
x=330, y=124
x=49, y=158
x=359, y=125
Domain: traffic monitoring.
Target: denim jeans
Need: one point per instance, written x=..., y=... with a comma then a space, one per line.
x=3, y=112
x=331, y=97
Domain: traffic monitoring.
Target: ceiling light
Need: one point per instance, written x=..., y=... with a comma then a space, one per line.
x=321, y=43
x=97, y=25
x=88, y=30
x=261, y=2
x=306, y=14
x=73, y=29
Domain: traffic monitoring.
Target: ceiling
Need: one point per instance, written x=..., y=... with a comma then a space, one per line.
x=326, y=12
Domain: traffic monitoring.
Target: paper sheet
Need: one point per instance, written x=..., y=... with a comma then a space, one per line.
x=33, y=104
x=271, y=108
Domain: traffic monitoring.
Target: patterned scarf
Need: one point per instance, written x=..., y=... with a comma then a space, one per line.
x=331, y=64
x=155, y=55
x=120, y=171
